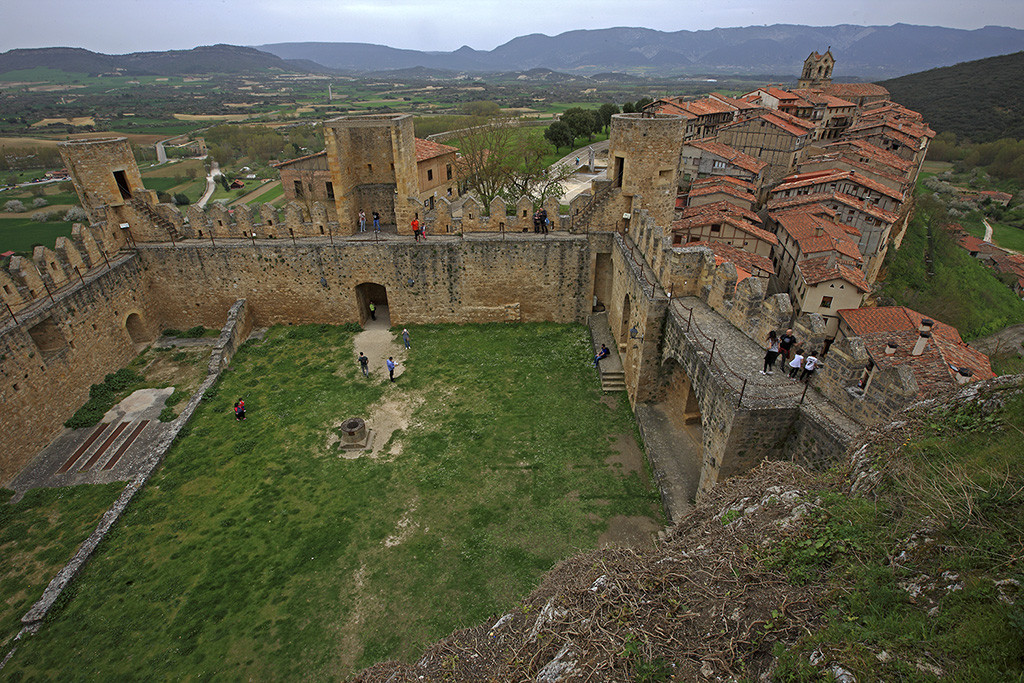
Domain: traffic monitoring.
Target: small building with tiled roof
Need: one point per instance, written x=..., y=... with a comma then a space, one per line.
x=435, y=170
x=703, y=116
x=706, y=224
x=718, y=191
x=808, y=232
x=307, y=179
x=860, y=94
x=844, y=161
x=708, y=157
x=747, y=264
x=839, y=180
x=886, y=357
x=728, y=207
x=824, y=285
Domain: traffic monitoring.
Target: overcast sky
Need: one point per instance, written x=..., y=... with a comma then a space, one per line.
x=119, y=26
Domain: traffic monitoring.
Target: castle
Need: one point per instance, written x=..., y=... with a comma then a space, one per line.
x=684, y=314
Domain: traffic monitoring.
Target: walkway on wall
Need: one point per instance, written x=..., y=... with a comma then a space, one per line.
x=738, y=361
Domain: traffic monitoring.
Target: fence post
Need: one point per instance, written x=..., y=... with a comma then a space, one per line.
x=292, y=233
x=806, y=384
x=80, y=275
x=211, y=238
x=743, y=390
x=689, y=320
x=11, y=312
x=712, y=359
x=105, y=258
x=330, y=233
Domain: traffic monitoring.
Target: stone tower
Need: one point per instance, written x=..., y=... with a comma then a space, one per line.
x=643, y=159
x=817, y=70
x=372, y=160
x=103, y=172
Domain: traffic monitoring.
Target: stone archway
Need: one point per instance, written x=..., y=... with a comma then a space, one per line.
x=136, y=329
x=369, y=292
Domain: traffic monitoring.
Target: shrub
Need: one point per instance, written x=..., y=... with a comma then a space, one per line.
x=14, y=206
x=75, y=214
x=167, y=414
x=181, y=199
x=39, y=202
x=194, y=332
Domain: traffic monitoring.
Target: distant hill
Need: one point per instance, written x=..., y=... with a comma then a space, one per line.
x=980, y=101
x=227, y=59
x=868, y=52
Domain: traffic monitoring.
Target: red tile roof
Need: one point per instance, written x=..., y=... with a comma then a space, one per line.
x=427, y=149
x=780, y=120
x=825, y=268
x=745, y=262
x=727, y=207
x=816, y=232
x=732, y=101
x=835, y=197
x=730, y=154
x=875, y=153
x=813, y=178
x=837, y=159
x=848, y=90
x=289, y=162
x=716, y=179
x=724, y=188
x=937, y=366
x=698, y=219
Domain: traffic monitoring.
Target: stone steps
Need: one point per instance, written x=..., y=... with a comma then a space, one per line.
x=613, y=381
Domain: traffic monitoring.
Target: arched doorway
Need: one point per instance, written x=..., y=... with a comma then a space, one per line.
x=624, y=322
x=136, y=330
x=371, y=292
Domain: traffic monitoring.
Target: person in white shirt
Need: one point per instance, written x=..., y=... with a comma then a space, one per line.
x=796, y=364
x=810, y=365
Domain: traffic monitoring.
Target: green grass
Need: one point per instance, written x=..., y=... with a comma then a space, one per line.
x=38, y=535
x=1007, y=236
x=956, y=479
x=961, y=292
x=257, y=553
x=268, y=197
x=22, y=234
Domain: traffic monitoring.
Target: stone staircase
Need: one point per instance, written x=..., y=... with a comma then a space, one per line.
x=581, y=221
x=613, y=380
x=153, y=216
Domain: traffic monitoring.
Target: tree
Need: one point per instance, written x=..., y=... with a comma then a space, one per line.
x=181, y=199
x=487, y=159
x=531, y=178
x=641, y=103
x=14, y=206
x=580, y=122
x=482, y=108
x=559, y=135
x=606, y=111
x=39, y=202
x=628, y=108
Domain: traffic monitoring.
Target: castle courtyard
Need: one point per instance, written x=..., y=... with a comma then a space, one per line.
x=262, y=549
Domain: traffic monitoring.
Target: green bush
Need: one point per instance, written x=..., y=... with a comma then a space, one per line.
x=167, y=414
x=103, y=396
x=194, y=332
x=171, y=332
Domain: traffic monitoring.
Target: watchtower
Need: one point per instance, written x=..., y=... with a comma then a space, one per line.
x=817, y=70
x=372, y=160
x=643, y=159
x=103, y=172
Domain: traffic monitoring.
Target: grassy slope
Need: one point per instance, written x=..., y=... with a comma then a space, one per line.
x=21, y=234
x=953, y=476
x=255, y=553
x=38, y=534
x=962, y=292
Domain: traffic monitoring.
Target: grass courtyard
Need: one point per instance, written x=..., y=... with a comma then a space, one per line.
x=258, y=551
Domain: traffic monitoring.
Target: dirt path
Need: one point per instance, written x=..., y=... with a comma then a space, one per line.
x=988, y=231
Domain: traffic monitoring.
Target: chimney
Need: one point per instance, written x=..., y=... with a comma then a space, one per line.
x=963, y=375
x=831, y=263
x=922, y=342
x=890, y=348
x=926, y=325
x=818, y=231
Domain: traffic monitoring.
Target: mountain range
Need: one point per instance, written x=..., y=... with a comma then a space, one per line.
x=867, y=52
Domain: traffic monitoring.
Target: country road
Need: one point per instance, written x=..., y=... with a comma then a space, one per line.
x=211, y=184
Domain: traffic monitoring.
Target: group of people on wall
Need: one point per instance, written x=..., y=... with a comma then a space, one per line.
x=791, y=357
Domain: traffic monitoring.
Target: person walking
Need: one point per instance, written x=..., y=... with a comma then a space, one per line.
x=376, y=221
x=405, y=338
x=811, y=364
x=416, y=229
x=362, y=221
x=239, y=410
x=797, y=364
x=771, y=354
x=364, y=364
x=391, y=368
x=373, y=311
x=544, y=222
x=786, y=343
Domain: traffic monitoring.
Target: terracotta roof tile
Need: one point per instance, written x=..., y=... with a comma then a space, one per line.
x=816, y=232
x=837, y=197
x=724, y=188
x=825, y=268
x=427, y=149
x=281, y=164
x=730, y=154
x=716, y=179
x=937, y=366
x=848, y=90
x=813, y=178
x=875, y=153
x=716, y=216
x=752, y=264
x=727, y=207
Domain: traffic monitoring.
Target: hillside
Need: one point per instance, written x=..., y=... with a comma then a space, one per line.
x=225, y=59
x=980, y=101
x=869, y=52
x=903, y=564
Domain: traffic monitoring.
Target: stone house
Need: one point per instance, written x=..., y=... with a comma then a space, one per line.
x=842, y=181
x=808, y=232
x=725, y=224
x=435, y=169
x=708, y=157
x=703, y=117
x=774, y=138
x=844, y=161
x=721, y=188
x=825, y=285
x=861, y=94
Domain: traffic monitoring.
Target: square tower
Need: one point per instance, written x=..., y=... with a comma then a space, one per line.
x=103, y=172
x=372, y=161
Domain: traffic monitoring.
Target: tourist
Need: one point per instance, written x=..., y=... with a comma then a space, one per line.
x=364, y=364
x=536, y=222
x=239, y=410
x=601, y=355
x=544, y=222
x=797, y=364
x=771, y=354
x=416, y=229
x=811, y=364
x=786, y=343
x=391, y=368
x=373, y=311
x=376, y=221
x=362, y=221
x=405, y=338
